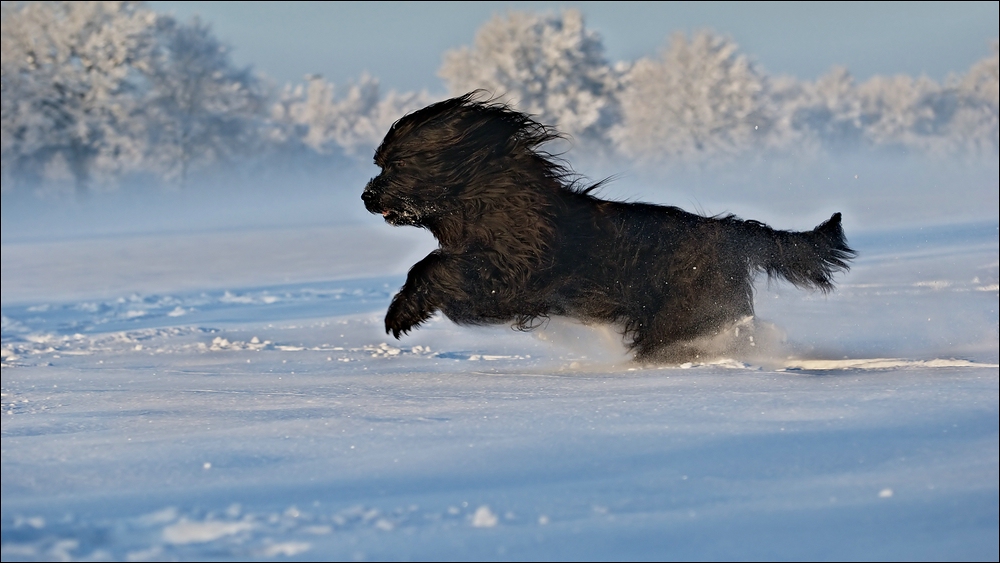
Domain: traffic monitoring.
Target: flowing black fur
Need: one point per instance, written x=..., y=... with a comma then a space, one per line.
x=521, y=239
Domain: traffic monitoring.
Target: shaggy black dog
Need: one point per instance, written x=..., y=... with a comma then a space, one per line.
x=521, y=239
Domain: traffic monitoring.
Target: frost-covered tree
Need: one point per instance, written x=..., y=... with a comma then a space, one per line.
x=826, y=113
x=92, y=91
x=354, y=124
x=548, y=65
x=975, y=127
x=905, y=112
x=700, y=99
x=68, y=87
x=897, y=113
x=983, y=79
x=199, y=108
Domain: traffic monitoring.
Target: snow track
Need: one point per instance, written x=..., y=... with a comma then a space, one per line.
x=276, y=420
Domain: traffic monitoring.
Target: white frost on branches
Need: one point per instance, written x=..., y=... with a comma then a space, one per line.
x=354, y=124
x=975, y=124
x=69, y=99
x=902, y=113
x=96, y=91
x=199, y=108
x=825, y=113
x=700, y=99
x=548, y=65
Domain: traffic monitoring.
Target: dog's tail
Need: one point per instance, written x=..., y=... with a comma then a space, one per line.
x=807, y=259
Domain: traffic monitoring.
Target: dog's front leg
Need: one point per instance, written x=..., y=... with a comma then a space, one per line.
x=427, y=282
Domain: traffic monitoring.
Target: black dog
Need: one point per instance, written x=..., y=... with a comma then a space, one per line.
x=521, y=240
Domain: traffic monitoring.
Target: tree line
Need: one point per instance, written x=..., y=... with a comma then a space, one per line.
x=101, y=93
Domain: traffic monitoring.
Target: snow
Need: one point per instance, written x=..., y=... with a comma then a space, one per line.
x=232, y=395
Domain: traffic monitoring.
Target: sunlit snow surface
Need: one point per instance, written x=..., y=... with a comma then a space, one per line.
x=164, y=400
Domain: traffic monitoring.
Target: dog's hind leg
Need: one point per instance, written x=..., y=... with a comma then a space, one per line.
x=671, y=334
x=660, y=340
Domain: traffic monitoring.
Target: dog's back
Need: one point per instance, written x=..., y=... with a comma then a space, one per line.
x=668, y=276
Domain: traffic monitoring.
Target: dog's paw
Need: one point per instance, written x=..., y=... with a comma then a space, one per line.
x=404, y=315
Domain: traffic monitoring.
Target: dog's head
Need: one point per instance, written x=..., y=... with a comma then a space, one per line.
x=438, y=159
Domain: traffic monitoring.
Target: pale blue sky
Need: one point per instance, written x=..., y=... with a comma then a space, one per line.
x=402, y=43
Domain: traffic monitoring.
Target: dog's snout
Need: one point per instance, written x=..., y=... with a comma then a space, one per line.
x=370, y=197
x=373, y=198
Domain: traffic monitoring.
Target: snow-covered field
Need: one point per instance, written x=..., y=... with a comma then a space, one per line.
x=231, y=395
